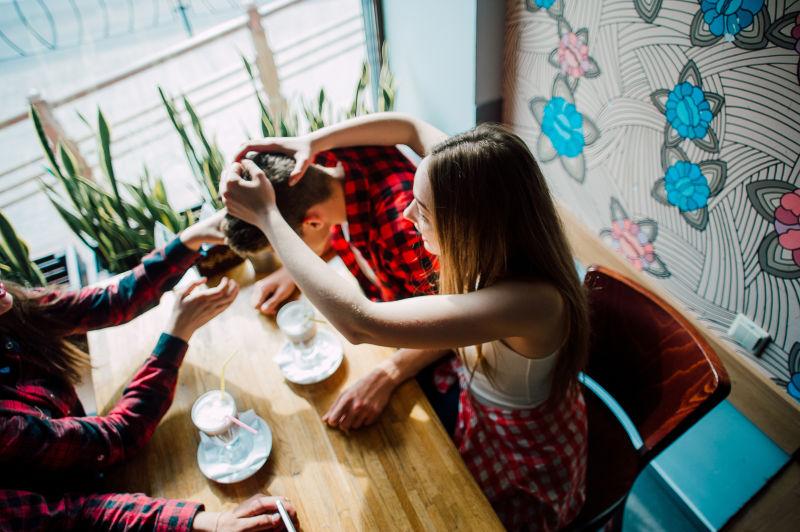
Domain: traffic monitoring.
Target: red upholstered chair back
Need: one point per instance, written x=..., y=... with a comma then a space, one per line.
x=655, y=364
x=657, y=367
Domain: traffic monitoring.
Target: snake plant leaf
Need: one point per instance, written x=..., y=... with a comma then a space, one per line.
x=177, y=123
x=85, y=120
x=68, y=161
x=75, y=224
x=45, y=144
x=267, y=120
x=159, y=193
x=208, y=177
x=118, y=229
x=197, y=126
x=79, y=226
x=104, y=135
x=15, y=262
x=13, y=249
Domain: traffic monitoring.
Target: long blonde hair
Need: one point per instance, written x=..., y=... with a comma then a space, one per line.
x=495, y=219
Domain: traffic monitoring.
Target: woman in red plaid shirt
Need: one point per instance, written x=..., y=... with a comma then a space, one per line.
x=51, y=452
x=509, y=299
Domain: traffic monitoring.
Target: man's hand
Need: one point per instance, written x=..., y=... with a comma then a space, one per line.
x=273, y=290
x=259, y=512
x=362, y=403
x=207, y=231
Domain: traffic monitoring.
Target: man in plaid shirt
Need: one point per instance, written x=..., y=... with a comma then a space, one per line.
x=349, y=204
x=49, y=446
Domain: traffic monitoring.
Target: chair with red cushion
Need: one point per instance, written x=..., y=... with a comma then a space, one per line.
x=657, y=368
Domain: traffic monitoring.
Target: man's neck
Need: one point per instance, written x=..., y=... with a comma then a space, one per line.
x=335, y=206
x=336, y=203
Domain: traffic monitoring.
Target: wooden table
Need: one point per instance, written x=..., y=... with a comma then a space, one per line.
x=403, y=473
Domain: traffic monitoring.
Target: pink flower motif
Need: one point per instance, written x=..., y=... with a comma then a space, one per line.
x=787, y=223
x=629, y=240
x=573, y=56
x=796, y=34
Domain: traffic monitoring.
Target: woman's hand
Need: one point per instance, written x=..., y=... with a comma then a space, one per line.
x=259, y=512
x=194, y=306
x=247, y=199
x=273, y=290
x=205, y=231
x=301, y=148
x=361, y=404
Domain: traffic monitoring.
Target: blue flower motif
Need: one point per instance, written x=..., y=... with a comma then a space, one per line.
x=544, y=4
x=563, y=125
x=687, y=187
x=688, y=111
x=793, y=387
x=729, y=17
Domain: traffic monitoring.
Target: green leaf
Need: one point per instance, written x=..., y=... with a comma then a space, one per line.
x=14, y=251
x=11, y=247
x=120, y=231
x=267, y=120
x=104, y=150
x=68, y=161
x=40, y=134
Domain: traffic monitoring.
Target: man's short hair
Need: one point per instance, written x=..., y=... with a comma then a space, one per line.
x=293, y=202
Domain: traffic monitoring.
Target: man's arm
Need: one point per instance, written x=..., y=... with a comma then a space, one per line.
x=279, y=286
x=362, y=402
x=24, y=510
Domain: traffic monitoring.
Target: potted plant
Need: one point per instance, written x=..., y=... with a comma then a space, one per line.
x=119, y=229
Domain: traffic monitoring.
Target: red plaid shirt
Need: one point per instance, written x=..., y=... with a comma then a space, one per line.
x=24, y=510
x=530, y=463
x=377, y=188
x=48, y=444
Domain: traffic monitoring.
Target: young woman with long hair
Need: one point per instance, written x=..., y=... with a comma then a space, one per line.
x=509, y=300
x=51, y=452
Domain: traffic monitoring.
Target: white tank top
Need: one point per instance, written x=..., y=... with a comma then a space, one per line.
x=514, y=381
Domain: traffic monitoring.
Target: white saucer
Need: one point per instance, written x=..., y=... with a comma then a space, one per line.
x=331, y=357
x=262, y=447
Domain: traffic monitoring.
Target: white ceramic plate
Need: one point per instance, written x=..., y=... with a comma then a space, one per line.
x=330, y=359
x=262, y=447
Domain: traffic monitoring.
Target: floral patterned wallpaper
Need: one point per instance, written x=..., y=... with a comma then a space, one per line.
x=672, y=128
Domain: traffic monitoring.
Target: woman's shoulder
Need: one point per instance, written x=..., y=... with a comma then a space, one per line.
x=530, y=293
x=537, y=307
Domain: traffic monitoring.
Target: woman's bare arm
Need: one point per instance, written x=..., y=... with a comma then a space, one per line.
x=381, y=129
x=507, y=309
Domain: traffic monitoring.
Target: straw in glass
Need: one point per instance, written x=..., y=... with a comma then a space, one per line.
x=222, y=374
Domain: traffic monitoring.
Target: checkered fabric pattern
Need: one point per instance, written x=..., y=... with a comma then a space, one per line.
x=530, y=463
x=378, y=187
x=47, y=441
x=134, y=293
x=23, y=510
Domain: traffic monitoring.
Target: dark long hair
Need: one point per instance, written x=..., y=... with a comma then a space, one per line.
x=495, y=219
x=41, y=335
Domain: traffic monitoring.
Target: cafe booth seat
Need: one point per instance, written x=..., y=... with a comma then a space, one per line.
x=650, y=376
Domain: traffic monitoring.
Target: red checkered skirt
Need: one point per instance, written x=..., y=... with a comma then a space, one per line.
x=530, y=463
